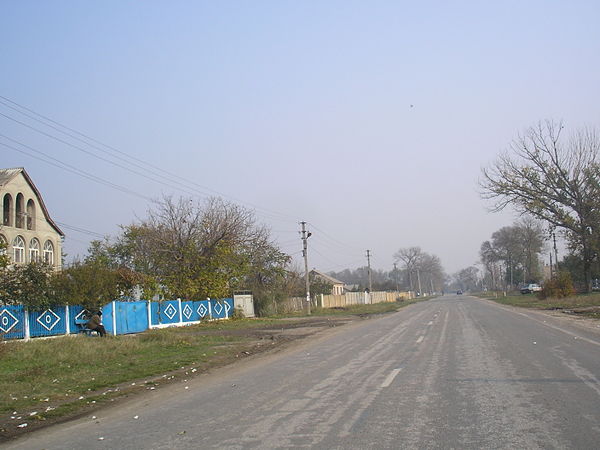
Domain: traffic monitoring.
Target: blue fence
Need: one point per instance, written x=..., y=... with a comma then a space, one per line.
x=117, y=317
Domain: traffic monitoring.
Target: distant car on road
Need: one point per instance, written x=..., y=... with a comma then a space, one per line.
x=531, y=287
x=459, y=292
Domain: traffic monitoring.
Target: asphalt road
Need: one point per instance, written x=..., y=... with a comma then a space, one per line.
x=454, y=372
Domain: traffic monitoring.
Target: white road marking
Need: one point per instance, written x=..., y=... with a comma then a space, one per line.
x=390, y=378
x=430, y=322
x=420, y=339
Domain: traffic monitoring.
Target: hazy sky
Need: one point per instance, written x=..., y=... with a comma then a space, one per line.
x=370, y=120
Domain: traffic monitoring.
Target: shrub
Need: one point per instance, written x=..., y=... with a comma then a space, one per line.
x=558, y=287
x=238, y=313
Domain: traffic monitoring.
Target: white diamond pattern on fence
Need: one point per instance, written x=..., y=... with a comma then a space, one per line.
x=202, y=310
x=7, y=321
x=227, y=308
x=218, y=308
x=48, y=319
x=82, y=314
x=187, y=312
x=170, y=311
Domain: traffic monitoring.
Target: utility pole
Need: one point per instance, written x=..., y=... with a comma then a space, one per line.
x=555, y=253
x=305, y=236
x=396, y=276
x=369, y=267
x=419, y=281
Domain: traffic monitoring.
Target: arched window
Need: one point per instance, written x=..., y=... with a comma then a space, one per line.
x=19, y=250
x=48, y=253
x=30, y=215
x=20, y=211
x=7, y=210
x=34, y=250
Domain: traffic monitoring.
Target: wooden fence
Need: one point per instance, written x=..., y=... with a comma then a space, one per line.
x=339, y=301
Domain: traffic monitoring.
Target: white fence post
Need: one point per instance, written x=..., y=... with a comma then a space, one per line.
x=26, y=324
x=68, y=322
x=180, y=313
x=149, y=310
x=114, y=318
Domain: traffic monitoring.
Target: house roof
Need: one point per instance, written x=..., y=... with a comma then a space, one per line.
x=326, y=277
x=7, y=175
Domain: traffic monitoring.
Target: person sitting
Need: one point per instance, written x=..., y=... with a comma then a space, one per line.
x=95, y=324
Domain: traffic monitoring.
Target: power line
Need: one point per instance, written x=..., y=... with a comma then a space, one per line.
x=87, y=152
x=69, y=168
x=160, y=173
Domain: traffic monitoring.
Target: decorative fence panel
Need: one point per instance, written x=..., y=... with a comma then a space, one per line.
x=117, y=317
x=166, y=312
x=76, y=312
x=12, y=321
x=50, y=322
x=202, y=307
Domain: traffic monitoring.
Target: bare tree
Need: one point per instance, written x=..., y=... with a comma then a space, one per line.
x=551, y=181
x=410, y=257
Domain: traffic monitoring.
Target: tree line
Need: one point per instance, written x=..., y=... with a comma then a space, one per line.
x=182, y=249
x=553, y=182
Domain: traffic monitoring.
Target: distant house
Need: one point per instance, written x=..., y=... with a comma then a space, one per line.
x=337, y=285
x=26, y=228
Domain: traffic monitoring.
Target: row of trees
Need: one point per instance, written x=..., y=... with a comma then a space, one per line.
x=557, y=181
x=419, y=272
x=191, y=250
x=422, y=272
x=182, y=249
x=512, y=256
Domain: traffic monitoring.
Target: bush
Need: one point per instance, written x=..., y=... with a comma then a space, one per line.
x=238, y=313
x=558, y=287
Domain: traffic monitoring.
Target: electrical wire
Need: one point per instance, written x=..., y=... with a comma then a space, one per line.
x=161, y=171
x=69, y=168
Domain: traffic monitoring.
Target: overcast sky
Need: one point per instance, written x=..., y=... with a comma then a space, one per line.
x=369, y=120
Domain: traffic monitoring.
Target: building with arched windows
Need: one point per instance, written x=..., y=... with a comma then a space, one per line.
x=26, y=228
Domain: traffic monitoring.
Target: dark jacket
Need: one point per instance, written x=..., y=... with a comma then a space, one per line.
x=94, y=322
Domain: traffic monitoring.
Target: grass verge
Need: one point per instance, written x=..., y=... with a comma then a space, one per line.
x=584, y=304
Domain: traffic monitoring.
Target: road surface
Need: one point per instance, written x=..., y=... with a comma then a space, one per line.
x=454, y=372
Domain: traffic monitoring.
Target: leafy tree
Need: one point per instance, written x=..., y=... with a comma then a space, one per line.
x=552, y=181
x=4, y=259
x=196, y=250
x=91, y=285
x=28, y=285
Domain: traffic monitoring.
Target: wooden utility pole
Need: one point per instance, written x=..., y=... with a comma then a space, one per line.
x=305, y=236
x=396, y=276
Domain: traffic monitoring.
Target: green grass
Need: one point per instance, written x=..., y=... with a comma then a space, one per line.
x=40, y=372
x=532, y=301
